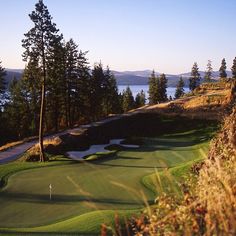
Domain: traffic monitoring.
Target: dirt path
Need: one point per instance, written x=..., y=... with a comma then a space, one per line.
x=13, y=153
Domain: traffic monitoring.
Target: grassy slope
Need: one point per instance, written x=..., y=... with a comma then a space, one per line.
x=84, y=193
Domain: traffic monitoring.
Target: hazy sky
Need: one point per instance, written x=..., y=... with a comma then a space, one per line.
x=165, y=35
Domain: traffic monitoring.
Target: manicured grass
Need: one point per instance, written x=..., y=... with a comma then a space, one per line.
x=86, y=224
x=85, y=194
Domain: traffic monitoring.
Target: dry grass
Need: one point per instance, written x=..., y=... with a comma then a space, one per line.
x=10, y=145
x=33, y=153
x=16, y=143
x=208, y=206
x=209, y=101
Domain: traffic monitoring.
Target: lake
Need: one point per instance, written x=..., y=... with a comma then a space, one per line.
x=137, y=88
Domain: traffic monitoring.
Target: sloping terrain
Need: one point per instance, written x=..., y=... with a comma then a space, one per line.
x=209, y=101
x=102, y=187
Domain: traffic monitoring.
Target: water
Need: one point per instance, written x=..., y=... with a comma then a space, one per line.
x=137, y=88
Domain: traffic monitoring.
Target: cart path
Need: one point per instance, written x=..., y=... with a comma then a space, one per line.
x=15, y=152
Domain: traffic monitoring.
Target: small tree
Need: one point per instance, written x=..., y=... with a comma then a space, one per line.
x=233, y=69
x=222, y=69
x=153, y=88
x=162, y=88
x=140, y=99
x=208, y=73
x=194, y=80
x=179, y=88
x=128, y=100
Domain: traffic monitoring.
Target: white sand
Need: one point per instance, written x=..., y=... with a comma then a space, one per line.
x=79, y=155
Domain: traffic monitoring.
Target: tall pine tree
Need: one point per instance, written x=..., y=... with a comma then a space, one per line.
x=83, y=87
x=37, y=43
x=194, y=80
x=71, y=76
x=128, y=100
x=208, y=73
x=31, y=78
x=179, y=88
x=162, y=88
x=2, y=93
x=98, y=89
x=111, y=99
x=222, y=69
x=2, y=84
x=233, y=69
x=55, y=85
x=153, y=88
x=140, y=99
x=18, y=109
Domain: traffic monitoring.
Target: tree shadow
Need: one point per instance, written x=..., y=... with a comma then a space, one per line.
x=66, y=199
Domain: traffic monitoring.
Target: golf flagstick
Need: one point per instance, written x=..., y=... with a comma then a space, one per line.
x=50, y=191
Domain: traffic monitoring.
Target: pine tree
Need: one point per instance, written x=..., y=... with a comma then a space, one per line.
x=71, y=76
x=140, y=99
x=153, y=88
x=2, y=93
x=194, y=80
x=128, y=100
x=180, y=88
x=222, y=69
x=162, y=88
x=31, y=78
x=18, y=109
x=208, y=73
x=82, y=88
x=233, y=69
x=111, y=99
x=2, y=84
x=98, y=89
x=55, y=85
x=36, y=44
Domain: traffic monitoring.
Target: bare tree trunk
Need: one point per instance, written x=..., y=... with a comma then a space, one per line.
x=41, y=124
x=68, y=106
x=42, y=110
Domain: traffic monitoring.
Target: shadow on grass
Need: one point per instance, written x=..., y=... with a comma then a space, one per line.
x=133, y=166
x=66, y=199
x=17, y=233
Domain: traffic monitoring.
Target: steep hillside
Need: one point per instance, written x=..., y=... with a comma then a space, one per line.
x=208, y=202
x=209, y=101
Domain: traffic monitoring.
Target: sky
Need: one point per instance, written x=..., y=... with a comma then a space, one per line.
x=165, y=35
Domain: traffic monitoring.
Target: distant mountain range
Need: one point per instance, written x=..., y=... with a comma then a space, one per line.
x=129, y=77
x=141, y=77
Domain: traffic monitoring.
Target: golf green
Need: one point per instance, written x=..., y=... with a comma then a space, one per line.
x=92, y=189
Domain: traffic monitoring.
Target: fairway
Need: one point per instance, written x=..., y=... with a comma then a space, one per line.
x=78, y=188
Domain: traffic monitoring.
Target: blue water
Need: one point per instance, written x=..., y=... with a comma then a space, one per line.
x=137, y=88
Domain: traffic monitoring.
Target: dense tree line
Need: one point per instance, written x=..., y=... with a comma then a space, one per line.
x=194, y=80
x=129, y=102
x=58, y=88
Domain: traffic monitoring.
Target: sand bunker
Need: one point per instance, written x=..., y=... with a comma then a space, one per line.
x=79, y=155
